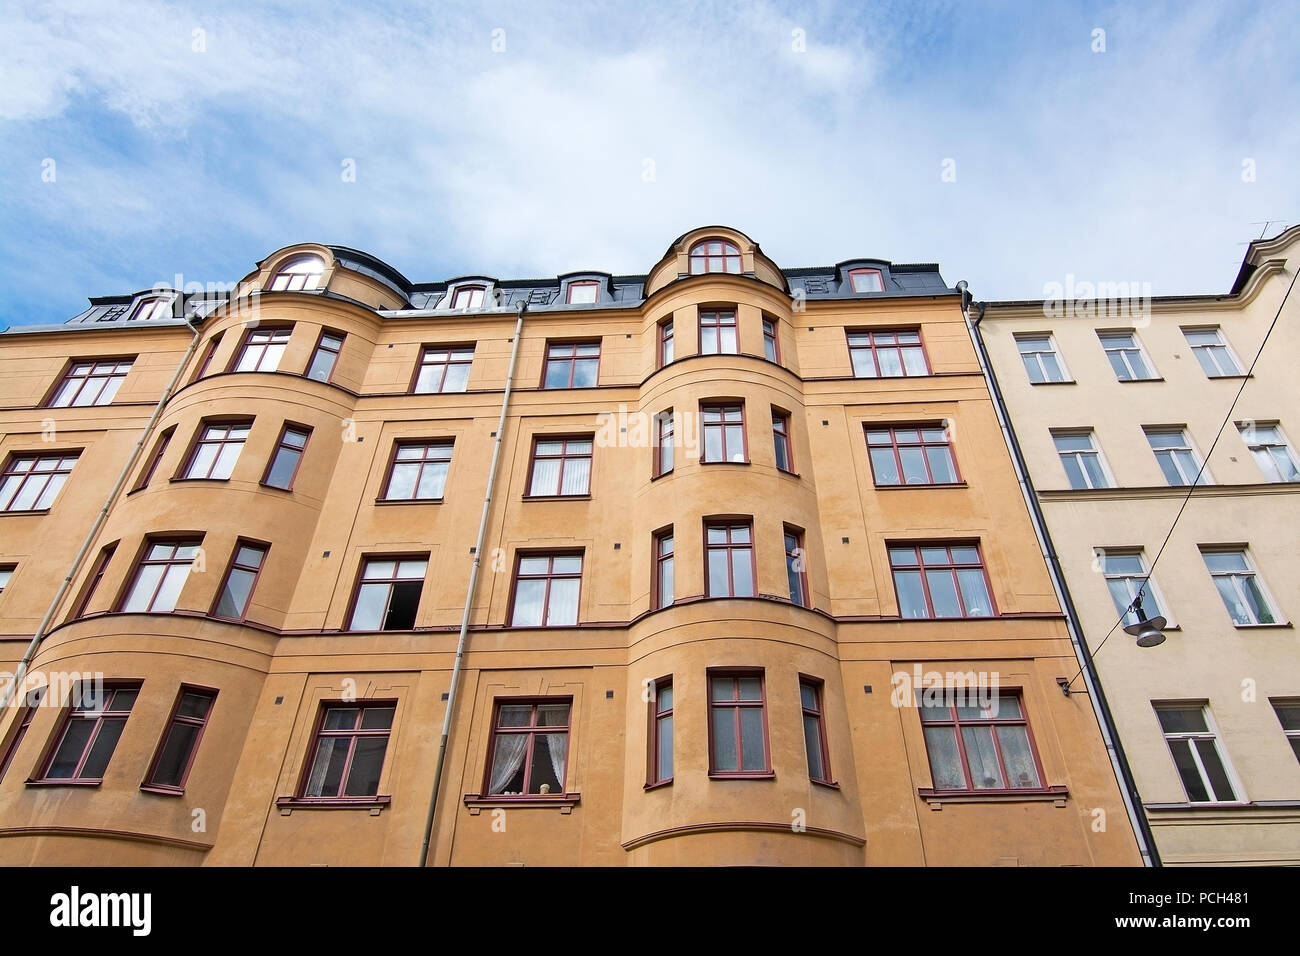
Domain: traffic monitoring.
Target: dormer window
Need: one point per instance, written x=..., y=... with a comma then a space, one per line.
x=299, y=275
x=468, y=297
x=715, y=255
x=152, y=307
x=866, y=280
x=583, y=293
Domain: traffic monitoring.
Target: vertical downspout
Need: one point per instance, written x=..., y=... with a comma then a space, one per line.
x=1101, y=709
x=521, y=307
x=21, y=673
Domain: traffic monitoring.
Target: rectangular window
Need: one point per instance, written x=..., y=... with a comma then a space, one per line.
x=1042, y=363
x=160, y=575
x=418, y=471
x=31, y=482
x=30, y=709
x=443, y=369
x=546, y=590
x=561, y=466
x=6, y=572
x=530, y=748
x=796, y=567
x=737, y=725
x=283, y=467
x=662, y=586
x=91, y=383
x=939, y=580
x=237, y=589
x=328, y=347
x=217, y=449
x=202, y=368
x=572, y=364
x=1288, y=715
x=1176, y=456
x=180, y=743
x=814, y=730
x=1194, y=746
x=467, y=297
x=866, y=280
x=1125, y=571
x=718, y=334
x=1126, y=356
x=1212, y=352
x=159, y=449
x=724, y=433
x=92, y=583
x=771, y=347
x=262, y=350
x=1273, y=453
x=388, y=594
x=665, y=342
x=1240, y=586
x=661, y=732
x=912, y=455
x=980, y=746
x=1082, y=459
x=583, y=293
x=781, y=440
x=664, y=428
x=90, y=733
x=729, y=564
x=887, y=353
x=350, y=743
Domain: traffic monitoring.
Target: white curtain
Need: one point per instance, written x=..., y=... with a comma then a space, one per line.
x=509, y=758
x=558, y=744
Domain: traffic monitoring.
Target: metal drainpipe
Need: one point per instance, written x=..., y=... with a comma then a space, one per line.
x=21, y=673
x=521, y=307
x=1101, y=709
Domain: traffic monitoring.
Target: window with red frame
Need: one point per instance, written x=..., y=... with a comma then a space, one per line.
x=546, y=590
x=715, y=255
x=866, y=280
x=737, y=725
x=443, y=369
x=912, y=455
x=262, y=350
x=468, y=297
x=92, y=585
x=90, y=732
x=31, y=482
x=180, y=742
x=561, y=466
x=664, y=428
x=388, y=594
x=530, y=748
x=796, y=567
x=283, y=467
x=661, y=732
x=938, y=580
x=202, y=368
x=348, y=753
x=571, y=364
x=216, y=450
x=724, y=433
x=771, y=348
x=887, y=353
x=160, y=575
x=31, y=707
x=663, y=565
x=237, y=588
x=583, y=293
x=91, y=383
x=328, y=347
x=718, y=333
x=814, y=730
x=781, y=440
x=980, y=745
x=729, y=560
x=419, y=471
x=665, y=342
x=159, y=449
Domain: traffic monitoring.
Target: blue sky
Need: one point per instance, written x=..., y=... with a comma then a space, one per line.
x=199, y=153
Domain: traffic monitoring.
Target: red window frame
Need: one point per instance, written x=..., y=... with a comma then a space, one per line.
x=586, y=283
x=562, y=353
x=64, y=462
x=702, y=257
x=660, y=716
x=723, y=410
x=730, y=545
x=796, y=564
x=35, y=696
x=921, y=442
x=718, y=320
x=320, y=734
x=201, y=439
x=564, y=457
x=666, y=351
x=159, y=449
x=392, y=582
x=533, y=729
x=853, y=279
x=954, y=720
x=282, y=445
x=143, y=560
x=92, y=583
x=880, y=340
x=548, y=576
x=85, y=709
x=659, y=558
x=442, y=358
x=232, y=567
x=322, y=348
x=84, y=380
x=816, y=713
x=262, y=337
x=665, y=428
x=431, y=454
x=782, y=446
x=951, y=566
x=469, y=290
x=771, y=341
x=201, y=369
x=736, y=704
x=174, y=720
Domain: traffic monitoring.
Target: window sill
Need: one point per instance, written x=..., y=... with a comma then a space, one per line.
x=1130, y=381
x=263, y=484
x=763, y=775
x=408, y=501
x=162, y=791
x=828, y=784
x=48, y=782
x=1064, y=381
x=788, y=473
x=40, y=511
x=586, y=497
x=657, y=784
x=1215, y=805
x=937, y=798
x=1239, y=375
x=1281, y=625
x=564, y=802
x=703, y=462
x=374, y=804
x=932, y=484
x=182, y=478
x=662, y=474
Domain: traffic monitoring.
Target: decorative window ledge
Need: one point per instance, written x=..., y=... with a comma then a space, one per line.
x=374, y=804
x=555, y=497
x=657, y=784
x=763, y=775
x=1064, y=381
x=408, y=501
x=919, y=486
x=162, y=791
x=937, y=798
x=39, y=511
x=828, y=784
x=564, y=802
x=1239, y=806
x=1263, y=627
x=1129, y=381
x=54, y=782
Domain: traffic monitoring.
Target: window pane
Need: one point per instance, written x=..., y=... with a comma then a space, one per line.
x=742, y=571
x=974, y=593
x=372, y=601
x=282, y=467
x=175, y=754
x=724, y=738
x=1226, y=561
x=327, y=770
x=70, y=749
x=234, y=596
x=403, y=604
x=110, y=729
x=983, y=759
x=170, y=591
x=890, y=364
x=911, y=595
x=751, y=739
x=528, y=603
x=945, y=761
x=664, y=730
x=943, y=593
x=941, y=465
x=1017, y=756
x=367, y=762
x=1236, y=609
x=1255, y=599
x=751, y=688
x=564, y=602
x=719, y=583
x=577, y=476
x=813, y=744
x=584, y=373
x=1209, y=755
x=143, y=589
x=885, y=466
x=1181, y=720
x=548, y=762
x=914, y=361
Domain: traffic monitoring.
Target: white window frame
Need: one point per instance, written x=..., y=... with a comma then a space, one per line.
x=1212, y=734
x=286, y=277
x=1292, y=736
x=1052, y=347
x=1153, y=601
x=1091, y=435
x=467, y=288
x=1222, y=343
x=149, y=307
x=1252, y=570
x=1188, y=444
x=1123, y=350
x=1259, y=450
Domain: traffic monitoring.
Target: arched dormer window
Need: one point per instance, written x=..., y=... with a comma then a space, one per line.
x=152, y=307
x=468, y=297
x=715, y=255
x=299, y=275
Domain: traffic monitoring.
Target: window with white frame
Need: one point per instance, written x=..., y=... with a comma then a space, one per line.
x=1042, y=362
x=1193, y=743
x=1125, y=570
x=1273, y=453
x=1288, y=715
x=468, y=297
x=1239, y=585
x=152, y=307
x=301, y=274
x=1177, y=458
x=1082, y=459
x=1212, y=352
x=1126, y=356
